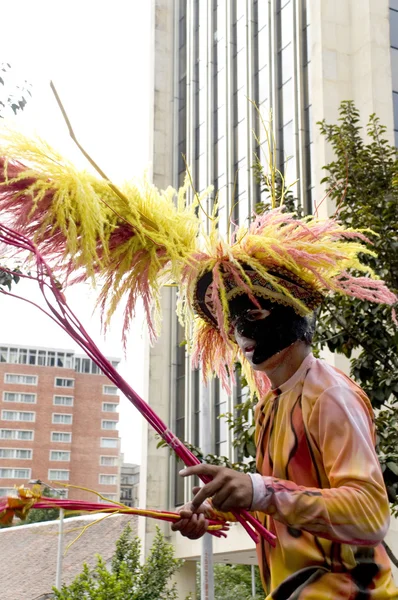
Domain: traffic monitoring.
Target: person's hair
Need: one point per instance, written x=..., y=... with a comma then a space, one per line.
x=309, y=325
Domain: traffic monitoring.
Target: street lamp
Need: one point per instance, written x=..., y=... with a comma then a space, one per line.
x=58, y=571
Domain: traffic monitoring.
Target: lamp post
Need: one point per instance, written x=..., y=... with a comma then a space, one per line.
x=58, y=570
x=207, y=566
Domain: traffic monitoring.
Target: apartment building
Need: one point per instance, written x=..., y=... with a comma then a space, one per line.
x=129, y=484
x=58, y=422
x=296, y=59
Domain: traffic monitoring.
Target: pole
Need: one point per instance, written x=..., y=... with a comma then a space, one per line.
x=206, y=571
x=253, y=582
x=58, y=573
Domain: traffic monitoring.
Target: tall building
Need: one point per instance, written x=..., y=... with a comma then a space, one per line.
x=129, y=484
x=296, y=60
x=58, y=421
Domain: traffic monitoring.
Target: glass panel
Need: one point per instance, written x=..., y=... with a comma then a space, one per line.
x=395, y=104
x=287, y=63
x=394, y=28
x=13, y=355
x=287, y=102
x=60, y=359
x=3, y=354
x=288, y=141
x=32, y=357
x=41, y=359
x=69, y=361
x=286, y=24
x=262, y=40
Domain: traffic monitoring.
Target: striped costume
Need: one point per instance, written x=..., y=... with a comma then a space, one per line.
x=319, y=488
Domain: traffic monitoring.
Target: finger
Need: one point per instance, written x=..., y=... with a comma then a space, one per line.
x=222, y=498
x=186, y=511
x=195, y=527
x=202, y=469
x=206, y=491
x=179, y=525
x=196, y=489
x=202, y=525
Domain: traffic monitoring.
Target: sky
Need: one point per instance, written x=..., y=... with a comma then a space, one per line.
x=98, y=56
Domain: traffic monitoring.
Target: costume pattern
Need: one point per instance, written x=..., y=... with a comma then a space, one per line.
x=323, y=496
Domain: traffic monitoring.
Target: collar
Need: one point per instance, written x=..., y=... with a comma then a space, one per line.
x=296, y=377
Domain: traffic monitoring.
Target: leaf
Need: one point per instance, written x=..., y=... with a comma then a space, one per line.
x=393, y=467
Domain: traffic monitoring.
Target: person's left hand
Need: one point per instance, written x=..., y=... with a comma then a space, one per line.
x=228, y=489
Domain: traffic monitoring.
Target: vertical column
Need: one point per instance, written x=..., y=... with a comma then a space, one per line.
x=299, y=122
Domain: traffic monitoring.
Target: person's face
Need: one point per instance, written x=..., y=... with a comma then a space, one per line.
x=262, y=333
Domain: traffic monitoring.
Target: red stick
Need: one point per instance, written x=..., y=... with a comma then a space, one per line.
x=63, y=315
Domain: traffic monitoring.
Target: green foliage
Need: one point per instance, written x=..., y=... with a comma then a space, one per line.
x=8, y=278
x=363, y=182
x=234, y=581
x=127, y=579
x=12, y=96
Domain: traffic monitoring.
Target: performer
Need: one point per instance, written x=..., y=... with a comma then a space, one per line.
x=318, y=485
x=249, y=297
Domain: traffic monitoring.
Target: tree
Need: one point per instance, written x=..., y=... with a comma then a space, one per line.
x=235, y=581
x=363, y=182
x=12, y=96
x=127, y=579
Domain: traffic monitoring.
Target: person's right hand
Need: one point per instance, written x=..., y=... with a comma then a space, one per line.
x=192, y=525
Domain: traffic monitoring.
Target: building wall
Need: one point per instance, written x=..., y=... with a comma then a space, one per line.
x=297, y=58
x=351, y=60
x=86, y=427
x=154, y=492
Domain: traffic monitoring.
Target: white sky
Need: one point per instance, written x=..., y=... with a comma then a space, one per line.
x=98, y=55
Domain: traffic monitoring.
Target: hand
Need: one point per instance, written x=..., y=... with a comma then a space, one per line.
x=192, y=525
x=228, y=489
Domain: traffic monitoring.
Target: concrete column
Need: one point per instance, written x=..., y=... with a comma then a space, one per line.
x=350, y=60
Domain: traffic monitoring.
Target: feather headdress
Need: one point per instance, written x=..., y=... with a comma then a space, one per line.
x=136, y=239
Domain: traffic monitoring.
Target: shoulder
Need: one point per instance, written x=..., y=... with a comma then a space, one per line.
x=324, y=384
x=330, y=395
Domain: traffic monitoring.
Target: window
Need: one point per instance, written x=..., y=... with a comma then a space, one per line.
x=15, y=453
x=25, y=379
x=62, y=419
x=109, y=425
x=63, y=382
x=110, y=390
x=15, y=415
x=109, y=442
x=58, y=475
x=108, y=479
x=18, y=397
x=394, y=28
x=108, y=461
x=15, y=473
x=59, y=455
x=109, y=407
x=63, y=400
x=8, y=492
x=16, y=434
x=60, y=436
x=108, y=498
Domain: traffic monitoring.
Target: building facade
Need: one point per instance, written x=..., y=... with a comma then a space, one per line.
x=129, y=484
x=215, y=62
x=58, y=422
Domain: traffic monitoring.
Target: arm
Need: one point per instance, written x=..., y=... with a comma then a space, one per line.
x=355, y=508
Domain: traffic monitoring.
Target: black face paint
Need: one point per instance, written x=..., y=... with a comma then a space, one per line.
x=281, y=328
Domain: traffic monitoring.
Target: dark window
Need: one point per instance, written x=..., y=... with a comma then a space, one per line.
x=180, y=412
x=394, y=28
